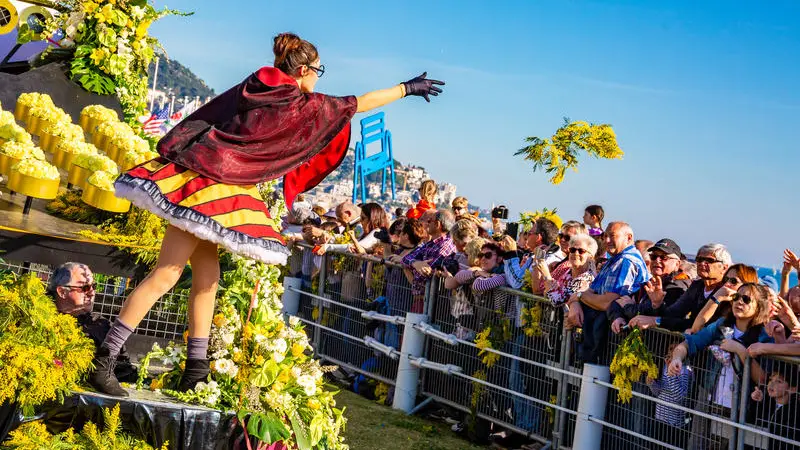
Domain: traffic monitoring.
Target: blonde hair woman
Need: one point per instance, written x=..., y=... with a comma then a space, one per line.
x=427, y=199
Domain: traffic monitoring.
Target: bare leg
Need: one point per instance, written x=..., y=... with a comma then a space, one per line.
x=176, y=248
x=205, y=280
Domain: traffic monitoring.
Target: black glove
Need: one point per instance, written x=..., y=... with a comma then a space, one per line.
x=423, y=87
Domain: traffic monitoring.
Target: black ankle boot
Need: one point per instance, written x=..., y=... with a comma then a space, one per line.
x=103, y=378
x=196, y=370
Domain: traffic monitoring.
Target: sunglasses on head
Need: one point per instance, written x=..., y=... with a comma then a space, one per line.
x=579, y=251
x=705, y=259
x=486, y=255
x=732, y=280
x=746, y=299
x=83, y=288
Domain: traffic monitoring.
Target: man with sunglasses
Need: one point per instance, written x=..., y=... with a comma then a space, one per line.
x=72, y=288
x=666, y=286
x=712, y=261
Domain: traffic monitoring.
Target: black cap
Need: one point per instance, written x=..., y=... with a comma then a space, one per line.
x=667, y=246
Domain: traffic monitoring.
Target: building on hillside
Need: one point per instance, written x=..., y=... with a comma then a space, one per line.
x=446, y=194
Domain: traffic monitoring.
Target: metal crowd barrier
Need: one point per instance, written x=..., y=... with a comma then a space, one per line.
x=533, y=386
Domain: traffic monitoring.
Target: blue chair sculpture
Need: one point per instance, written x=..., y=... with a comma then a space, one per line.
x=373, y=129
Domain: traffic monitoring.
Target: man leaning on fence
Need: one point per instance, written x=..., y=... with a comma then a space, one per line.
x=72, y=288
x=667, y=284
x=623, y=274
x=419, y=261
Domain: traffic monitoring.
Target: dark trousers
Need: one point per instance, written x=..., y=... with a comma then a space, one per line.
x=595, y=336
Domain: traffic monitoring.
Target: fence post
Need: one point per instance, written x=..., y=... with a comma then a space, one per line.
x=323, y=278
x=291, y=298
x=743, y=396
x=592, y=403
x=405, y=392
x=563, y=388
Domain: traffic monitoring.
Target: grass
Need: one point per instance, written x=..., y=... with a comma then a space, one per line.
x=373, y=426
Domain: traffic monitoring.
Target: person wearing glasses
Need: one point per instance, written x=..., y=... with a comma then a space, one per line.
x=666, y=286
x=542, y=270
x=744, y=326
x=573, y=276
x=72, y=288
x=713, y=260
x=204, y=184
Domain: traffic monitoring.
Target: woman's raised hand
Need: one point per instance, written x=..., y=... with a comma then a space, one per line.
x=423, y=87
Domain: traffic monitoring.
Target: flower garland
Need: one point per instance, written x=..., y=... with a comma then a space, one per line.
x=111, y=48
x=560, y=152
x=531, y=319
x=631, y=360
x=34, y=436
x=492, y=338
x=43, y=353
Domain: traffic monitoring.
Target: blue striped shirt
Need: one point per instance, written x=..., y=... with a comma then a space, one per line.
x=623, y=274
x=674, y=390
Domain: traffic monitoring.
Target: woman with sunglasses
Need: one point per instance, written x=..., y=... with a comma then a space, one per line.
x=573, y=276
x=204, y=184
x=719, y=305
x=744, y=326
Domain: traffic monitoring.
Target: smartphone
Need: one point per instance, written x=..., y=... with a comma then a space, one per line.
x=539, y=253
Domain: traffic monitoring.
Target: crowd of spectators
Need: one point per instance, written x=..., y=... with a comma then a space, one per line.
x=604, y=279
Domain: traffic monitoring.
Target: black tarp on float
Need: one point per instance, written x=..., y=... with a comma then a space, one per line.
x=145, y=415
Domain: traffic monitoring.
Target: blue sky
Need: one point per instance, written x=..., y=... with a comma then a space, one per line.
x=703, y=97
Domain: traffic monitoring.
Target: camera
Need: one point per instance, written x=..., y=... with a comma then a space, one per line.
x=382, y=235
x=448, y=264
x=500, y=212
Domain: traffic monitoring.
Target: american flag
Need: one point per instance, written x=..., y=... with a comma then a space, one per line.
x=155, y=125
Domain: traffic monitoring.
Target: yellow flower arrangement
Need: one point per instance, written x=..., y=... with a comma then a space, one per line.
x=103, y=180
x=96, y=162
x=65, y=130
x=13, y=132
x=34, y=436
x=36, y=168
x=262, y=367
x=631, y=360
x=100, y=113
x=560, y=152
x=111, y=48
x=77, y=148
x=531, y=319
x=43, y=352
x=20, y=150
x=528, y=218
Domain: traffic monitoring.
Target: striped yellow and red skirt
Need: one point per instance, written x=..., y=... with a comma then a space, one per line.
x=229, y=215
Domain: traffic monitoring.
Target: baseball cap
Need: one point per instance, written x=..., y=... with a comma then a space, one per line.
x=667, y=246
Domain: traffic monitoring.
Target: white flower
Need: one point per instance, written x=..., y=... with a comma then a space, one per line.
x=278, y=357
x=294, y=321
x=227, y=337
x=156, y=347
x=137, y=12
x=219, y=354
x=226, y=367
x=296, y=372
x=259, y=339
x=308, y=384
x=280, y=345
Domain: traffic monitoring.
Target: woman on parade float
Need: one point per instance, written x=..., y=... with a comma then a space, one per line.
x=204, y=184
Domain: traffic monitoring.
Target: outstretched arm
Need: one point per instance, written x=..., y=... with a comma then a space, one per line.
x=419, y=86
x=376, y=99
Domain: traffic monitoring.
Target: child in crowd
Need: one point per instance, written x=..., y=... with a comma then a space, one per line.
x=672, y=424
x=780, y=410
x=593, y=219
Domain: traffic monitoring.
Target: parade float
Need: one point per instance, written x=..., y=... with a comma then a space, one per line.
x=73, y=84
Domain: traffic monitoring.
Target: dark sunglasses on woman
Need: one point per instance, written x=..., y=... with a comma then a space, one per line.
x=744, y=298
x=579, y=251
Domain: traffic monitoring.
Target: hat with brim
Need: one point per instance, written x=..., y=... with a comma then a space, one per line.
x=669, y=247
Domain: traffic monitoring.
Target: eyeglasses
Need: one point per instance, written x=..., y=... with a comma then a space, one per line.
x=564, y=237
x=320, y=71
x=707, y=260
x=486, y=255
x=579, y=251
x=663, y=257
x=732, y=280
x=744, y=298
x=83, y=288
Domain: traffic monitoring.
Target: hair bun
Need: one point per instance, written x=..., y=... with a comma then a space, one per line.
x=285, y=43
